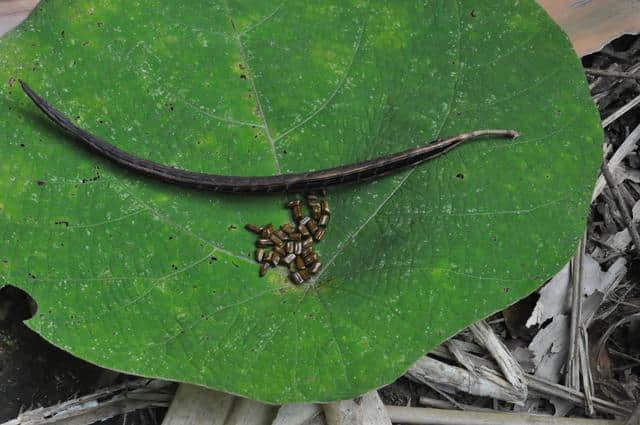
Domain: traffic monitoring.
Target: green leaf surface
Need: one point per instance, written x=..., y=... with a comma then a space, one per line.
x=140, y=276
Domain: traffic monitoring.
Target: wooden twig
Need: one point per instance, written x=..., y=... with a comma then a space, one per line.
x=100, y=405
x=547, y=388
x=628, y=146
x=486, y=383
x=460, y=355
x=374, y=411
x=423, y=415
x=453, y=402
x=367, y=409
x=626, y=215
x=616, y=74
x=603, y=339
x=585, y=371
x=620, y=112
x=445, y=404
x=634, y=419
x=193, y=405
x=299, y=414
x=572, y=373
x=345, y=412
x=244, y=412
x=509, y=366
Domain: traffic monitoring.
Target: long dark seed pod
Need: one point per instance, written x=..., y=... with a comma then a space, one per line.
x=296, y=182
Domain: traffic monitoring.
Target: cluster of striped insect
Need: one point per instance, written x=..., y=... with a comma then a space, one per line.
x=292, y=244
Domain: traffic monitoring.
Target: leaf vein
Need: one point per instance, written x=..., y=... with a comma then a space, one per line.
x=263, y=20
x=251, y=78
x=343, y=245
x=333, y=94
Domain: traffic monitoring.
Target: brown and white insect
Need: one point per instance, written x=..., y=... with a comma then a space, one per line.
x=291, y=245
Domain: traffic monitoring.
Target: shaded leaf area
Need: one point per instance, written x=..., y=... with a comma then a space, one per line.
x=139, y=276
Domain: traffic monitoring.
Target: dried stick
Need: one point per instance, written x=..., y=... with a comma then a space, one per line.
x=585, y=371
x=626, y=216
x=100, y=405
x=299, y=414
x=367, y=409
x=616, y=74
x=547, y=388
x=243, y=412
x=423, y=415
x=192, y=405
x=620, y=112
x=572, y=376
x=603, y=339
x=628, y=146
x=444, y=404
x=634, y=419
x=460, y=355
x=486, y=383
x=509, y=366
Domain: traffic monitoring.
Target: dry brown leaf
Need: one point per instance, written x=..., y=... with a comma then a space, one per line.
x=592, y=24
x=12, y=12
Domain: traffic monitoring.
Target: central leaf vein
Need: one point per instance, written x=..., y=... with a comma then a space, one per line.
x=251, y=78
x=342, y=246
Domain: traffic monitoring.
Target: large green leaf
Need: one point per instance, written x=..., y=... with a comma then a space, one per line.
x=140, y=276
